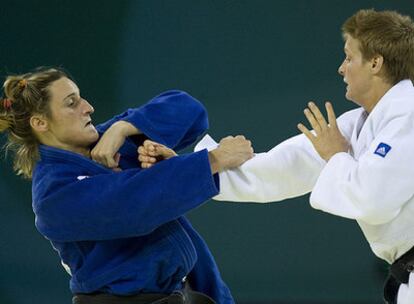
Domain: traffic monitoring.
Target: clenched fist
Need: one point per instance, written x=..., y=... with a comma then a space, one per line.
x=231, y=153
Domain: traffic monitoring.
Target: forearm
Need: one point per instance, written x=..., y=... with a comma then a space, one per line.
x=288, y=170
x=125, y=128
x=129, y=203
x=173, y=118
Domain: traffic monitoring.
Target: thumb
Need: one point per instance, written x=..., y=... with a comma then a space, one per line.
x=117, y=158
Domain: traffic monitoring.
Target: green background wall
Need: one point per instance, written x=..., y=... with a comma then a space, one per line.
x=254, y=64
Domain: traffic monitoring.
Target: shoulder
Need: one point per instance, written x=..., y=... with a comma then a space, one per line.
x=49, y=177
x=350, y=116
x=397, y=111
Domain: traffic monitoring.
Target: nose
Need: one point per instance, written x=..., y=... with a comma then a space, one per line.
x=88, y=108
x=341, y=68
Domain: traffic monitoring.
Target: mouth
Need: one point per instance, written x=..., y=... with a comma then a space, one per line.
x=347, y=84
x=89, y=123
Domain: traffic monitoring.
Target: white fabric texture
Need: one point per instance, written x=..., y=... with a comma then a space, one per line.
x=406, y=292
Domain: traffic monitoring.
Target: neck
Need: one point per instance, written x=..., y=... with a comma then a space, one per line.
x=374, y=95
x=79, y=150
x=83, y=151
x=49, y=139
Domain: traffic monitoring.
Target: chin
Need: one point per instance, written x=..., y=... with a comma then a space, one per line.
x=90, y=139
x=349, y=97
x=94, y=138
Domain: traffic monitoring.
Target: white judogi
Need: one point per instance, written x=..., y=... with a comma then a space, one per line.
x=373, y=183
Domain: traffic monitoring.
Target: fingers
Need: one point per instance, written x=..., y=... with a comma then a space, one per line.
x=147, y=159
x=318, y=115
x=165, y=152
x=312, y=120
x=331, y=114
x=240, y=138
x=105, y=158
x=146, y=165
x=150, y=147
x=117, y=158
x=142, y=151
x=305, y=131
x=317, y=120
x=150, y=152
x=109, y=162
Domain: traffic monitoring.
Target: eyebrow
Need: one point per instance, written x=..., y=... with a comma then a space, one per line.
x=70, y=95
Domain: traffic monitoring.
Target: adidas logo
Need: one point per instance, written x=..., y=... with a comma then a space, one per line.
x=382, y=149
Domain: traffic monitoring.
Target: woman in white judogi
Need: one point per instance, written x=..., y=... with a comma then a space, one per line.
x=361, y=165
x=373, y=182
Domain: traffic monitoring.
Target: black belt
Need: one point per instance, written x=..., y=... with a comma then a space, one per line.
x=398, y=274
x=185, y=296
x=103, y=298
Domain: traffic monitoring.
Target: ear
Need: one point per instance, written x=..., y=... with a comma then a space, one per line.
x=39, y=123
x=377, y=63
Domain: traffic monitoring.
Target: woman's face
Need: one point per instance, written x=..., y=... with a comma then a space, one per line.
x=356, y=72
x=70, y=126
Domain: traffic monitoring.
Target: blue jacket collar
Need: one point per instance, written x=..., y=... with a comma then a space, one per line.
x=53, y=155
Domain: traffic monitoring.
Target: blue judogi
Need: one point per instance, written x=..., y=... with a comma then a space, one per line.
x=124, y=232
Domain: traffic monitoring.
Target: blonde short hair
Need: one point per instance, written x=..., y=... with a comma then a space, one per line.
x=385, y=33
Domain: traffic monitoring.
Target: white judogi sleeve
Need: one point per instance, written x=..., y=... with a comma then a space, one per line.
x=375, y=187
x=289, y=169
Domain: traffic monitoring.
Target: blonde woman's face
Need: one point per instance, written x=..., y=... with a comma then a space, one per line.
x=70, y=126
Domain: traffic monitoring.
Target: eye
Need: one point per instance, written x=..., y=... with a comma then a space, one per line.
x=72, y=101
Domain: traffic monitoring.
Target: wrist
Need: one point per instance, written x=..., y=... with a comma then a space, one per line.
x=126, y=128
x=215, y=163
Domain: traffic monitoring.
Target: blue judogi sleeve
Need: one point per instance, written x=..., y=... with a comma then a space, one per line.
x=173, y=118
x=112, y=205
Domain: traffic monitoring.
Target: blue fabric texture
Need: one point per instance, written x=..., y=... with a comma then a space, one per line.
x=125, y=232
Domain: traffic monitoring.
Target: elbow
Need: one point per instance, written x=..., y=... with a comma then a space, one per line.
x=49, y=232
x=197, y=108
x=377, y=213
x=376, y=219
x=190, y=105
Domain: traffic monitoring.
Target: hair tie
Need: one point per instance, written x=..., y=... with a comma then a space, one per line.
x=7, y=103
x=23, y=83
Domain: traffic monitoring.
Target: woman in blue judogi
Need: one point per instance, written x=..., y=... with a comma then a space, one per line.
x=119, y=230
